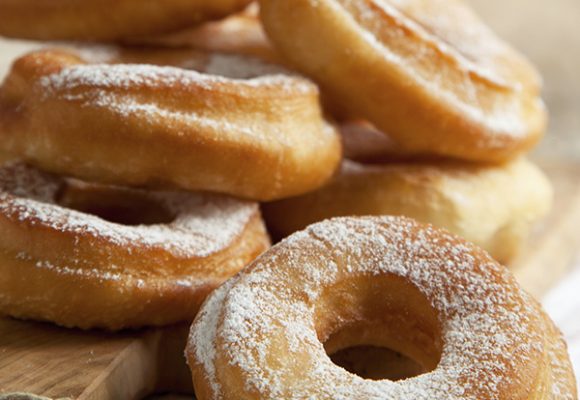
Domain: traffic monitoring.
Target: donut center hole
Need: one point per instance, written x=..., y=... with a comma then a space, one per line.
x=379, y=327
x=376, y=363
x=120, y=206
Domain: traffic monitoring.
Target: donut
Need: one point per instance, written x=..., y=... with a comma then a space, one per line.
x=258, y=134
x=493, y=206
x=94, y=256
x=429, y=73
x=93, y=20
x=385, y=282
x=240, y=33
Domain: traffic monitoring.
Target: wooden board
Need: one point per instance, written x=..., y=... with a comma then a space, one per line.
x=45, y=360
x=60, y=363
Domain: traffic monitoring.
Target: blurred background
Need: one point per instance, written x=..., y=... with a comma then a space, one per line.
x=548, y=32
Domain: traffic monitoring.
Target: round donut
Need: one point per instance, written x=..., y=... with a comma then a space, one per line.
x=494, y=207
x=115, y=20
x=240, y=33
x=385, y=282
x=428, y=72
x=91, y=256
x=257, y=134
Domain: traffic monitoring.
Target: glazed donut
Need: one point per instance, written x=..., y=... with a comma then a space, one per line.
x=260, y=136
x=469, y=200
x=386, y=282
x=93, y=20
x=90, y=256
x=427, y=72
x=240, y=33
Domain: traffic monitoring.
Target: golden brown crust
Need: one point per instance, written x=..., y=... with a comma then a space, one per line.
x=79, y=270
x=429, y=73
x=106, y=21
x=387, y=282
x=460, y=197
x=261, y=138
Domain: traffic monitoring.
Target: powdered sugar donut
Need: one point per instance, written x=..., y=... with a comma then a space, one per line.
x=259, y=134
x=92, y=256
x=94, y=20
x=427, y=72
x=387, y=282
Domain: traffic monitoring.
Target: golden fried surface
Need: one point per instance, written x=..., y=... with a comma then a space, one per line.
x=492, y=206
x=106, y=21
x=257, y=134
x=427, y=72
x=91, y=256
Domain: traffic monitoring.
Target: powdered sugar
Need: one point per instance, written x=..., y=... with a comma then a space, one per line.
x=489, y=326
x=118, y=88
x=218, y=69
x=203, y=224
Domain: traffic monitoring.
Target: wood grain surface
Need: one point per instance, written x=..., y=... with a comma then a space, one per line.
x=65, y=363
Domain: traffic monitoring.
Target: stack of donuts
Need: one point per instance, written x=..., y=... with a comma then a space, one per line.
x=145, y=138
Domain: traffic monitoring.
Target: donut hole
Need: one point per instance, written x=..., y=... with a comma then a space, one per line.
x=379, y=327
x=120, y=206
x=376, y=363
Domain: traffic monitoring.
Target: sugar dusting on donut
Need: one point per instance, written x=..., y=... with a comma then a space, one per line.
x=220, y=69
x=487, y=311
x=204, y=224
x=107, y=82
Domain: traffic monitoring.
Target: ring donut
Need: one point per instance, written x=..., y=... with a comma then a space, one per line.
x=385, y=282
x=259, y=134
x=460, y=197
x=429, y=73
x=93, y=20
x=89, y=256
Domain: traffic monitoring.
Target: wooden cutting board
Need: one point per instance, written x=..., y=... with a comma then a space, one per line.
x=60, y=363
